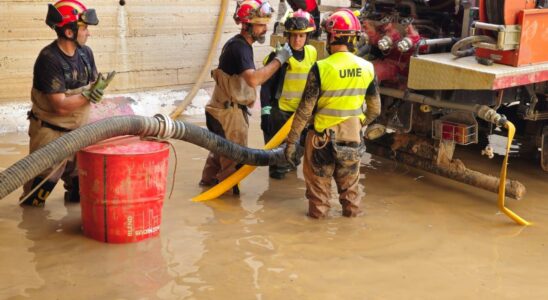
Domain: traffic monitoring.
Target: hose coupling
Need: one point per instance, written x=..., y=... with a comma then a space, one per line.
x=167, y=127
x=492, y=116
x=405, y=45
x=385, y=43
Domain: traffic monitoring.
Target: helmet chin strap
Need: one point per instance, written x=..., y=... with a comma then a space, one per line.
x=74, y=39
x=328, y=44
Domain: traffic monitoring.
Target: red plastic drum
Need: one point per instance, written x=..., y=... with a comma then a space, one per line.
x=122, y=188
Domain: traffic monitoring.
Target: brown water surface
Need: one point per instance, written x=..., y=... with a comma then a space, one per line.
x=421, y=237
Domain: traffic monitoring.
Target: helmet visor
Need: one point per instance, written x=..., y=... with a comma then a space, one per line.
x=298, y=25
x=262, y=14
x=265, y=10
x=89, y=17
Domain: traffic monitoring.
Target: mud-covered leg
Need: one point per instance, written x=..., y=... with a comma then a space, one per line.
x=347, y=174
x=40, y=136
x=211, y=168
x=72, y=184
x=212, y=164
x=318, y=169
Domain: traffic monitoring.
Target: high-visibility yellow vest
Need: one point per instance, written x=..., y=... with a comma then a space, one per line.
x=344, y=79
x=295, y=79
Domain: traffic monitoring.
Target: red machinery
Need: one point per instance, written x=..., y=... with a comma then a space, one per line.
x=520, y=31
x=433, y=101
x=428, y=92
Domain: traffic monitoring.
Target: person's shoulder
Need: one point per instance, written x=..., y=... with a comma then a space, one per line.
x=363, y=61
x=238, y=42
x=49, y=55
x=87, y=50
x=49, y=50
x=310, y=48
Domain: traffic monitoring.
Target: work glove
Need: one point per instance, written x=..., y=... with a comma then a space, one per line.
x=265, y=110
x=290, y=153
x=283, y=53
x=95, y=93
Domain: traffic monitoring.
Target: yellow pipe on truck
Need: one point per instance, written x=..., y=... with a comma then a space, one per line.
x=502, y=185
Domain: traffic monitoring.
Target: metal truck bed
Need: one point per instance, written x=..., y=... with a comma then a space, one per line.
x=443, y=71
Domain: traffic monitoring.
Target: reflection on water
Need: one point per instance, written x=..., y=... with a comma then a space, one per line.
x=421, y=237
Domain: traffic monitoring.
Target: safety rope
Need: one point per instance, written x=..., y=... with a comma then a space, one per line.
x=316, y=141
x=173, y=175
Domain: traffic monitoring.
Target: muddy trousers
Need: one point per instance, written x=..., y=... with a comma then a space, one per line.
x=232, y=124
x=275, y=122
x=320, y=166
x=39, y=136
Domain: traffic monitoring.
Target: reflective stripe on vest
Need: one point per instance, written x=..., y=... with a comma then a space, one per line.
x=344, y=80
x=295, y=79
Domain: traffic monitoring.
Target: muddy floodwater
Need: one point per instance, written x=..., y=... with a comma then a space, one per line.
x=421, y=237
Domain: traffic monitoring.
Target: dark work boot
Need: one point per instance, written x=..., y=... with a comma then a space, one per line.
x=277, y=175
x=236, y=189
x=72, y=187
x=208, y=183
x=38, y=197
x=276, y=172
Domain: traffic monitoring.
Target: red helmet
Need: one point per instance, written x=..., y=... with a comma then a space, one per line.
x=343, y=22
x=64, y=12
x=299, y=22
x=253, y=12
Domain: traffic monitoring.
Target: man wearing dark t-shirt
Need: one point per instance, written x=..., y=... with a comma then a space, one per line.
x=65, y=82
x=236, y=79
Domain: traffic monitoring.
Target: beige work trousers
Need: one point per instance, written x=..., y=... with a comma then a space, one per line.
x=231, y=123
x=40, y=136
x=319, y=167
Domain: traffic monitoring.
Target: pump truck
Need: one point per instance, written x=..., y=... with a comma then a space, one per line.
x=454, y=72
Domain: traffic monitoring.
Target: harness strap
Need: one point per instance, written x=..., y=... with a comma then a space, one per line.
x=31, y=115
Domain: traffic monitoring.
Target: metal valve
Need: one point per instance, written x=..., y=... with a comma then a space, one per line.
x=385, y=43
x=405, y=45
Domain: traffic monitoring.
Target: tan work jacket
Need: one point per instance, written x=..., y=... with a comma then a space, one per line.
x=43, y=110
x=231, y=89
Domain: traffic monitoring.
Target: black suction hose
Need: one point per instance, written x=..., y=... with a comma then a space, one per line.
x=159, y=126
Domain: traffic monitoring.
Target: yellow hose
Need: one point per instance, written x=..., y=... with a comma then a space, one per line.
x=207, y=65
x=502, y=185
x=244, y=171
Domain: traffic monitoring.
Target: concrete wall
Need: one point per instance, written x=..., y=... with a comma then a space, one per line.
x=158, y=48
x=150, y=43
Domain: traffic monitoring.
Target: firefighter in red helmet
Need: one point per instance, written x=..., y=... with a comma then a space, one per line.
x=333, y=100
x=65, y=81
x=281, y=94
x=310, y=6
x=236, y=79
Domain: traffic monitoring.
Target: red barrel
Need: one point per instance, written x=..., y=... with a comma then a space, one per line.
x=122, y=188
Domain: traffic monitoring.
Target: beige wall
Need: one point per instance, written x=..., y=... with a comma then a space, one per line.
x=152, y=44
